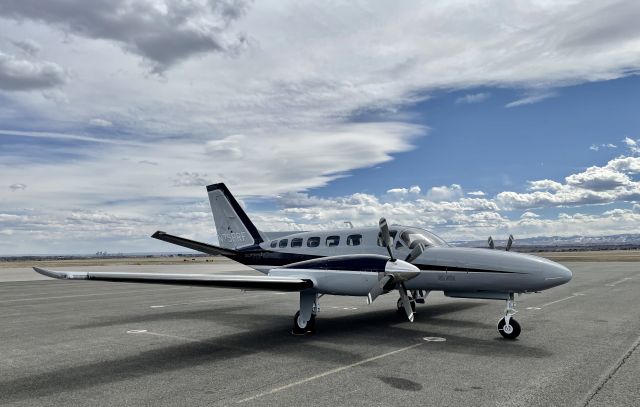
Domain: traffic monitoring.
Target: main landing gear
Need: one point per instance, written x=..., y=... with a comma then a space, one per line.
x=508, y=327
x=304, y=322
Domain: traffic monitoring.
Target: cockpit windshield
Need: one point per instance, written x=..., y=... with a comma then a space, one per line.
x=412, y=236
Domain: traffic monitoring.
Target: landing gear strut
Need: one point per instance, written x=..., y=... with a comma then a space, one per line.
x=508, y=327
x=304, y=322
x=401, y=307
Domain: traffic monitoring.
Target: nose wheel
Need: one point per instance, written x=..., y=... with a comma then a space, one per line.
x=509, y=331
x=508, y=327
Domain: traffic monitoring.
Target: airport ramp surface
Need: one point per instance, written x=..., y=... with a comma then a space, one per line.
x=103, y=344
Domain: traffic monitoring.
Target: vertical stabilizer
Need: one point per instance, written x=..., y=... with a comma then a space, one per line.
x=234, y=228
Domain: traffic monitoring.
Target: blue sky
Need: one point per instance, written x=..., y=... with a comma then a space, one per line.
x=445, y=115
x=487, y=146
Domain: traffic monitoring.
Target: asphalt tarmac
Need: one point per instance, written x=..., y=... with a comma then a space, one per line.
x=66, y=343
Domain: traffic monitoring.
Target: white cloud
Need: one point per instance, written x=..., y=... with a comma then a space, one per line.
x=597, y=147
x=162, y=31
x=532, y=97
x=476, y=193
x=18, y=74
x=632, y=145
x=625, y=164
x=29, y=47
x=400, y=192
x=529, y=215
x=473, y=98
x=598, y=179
x=100, y=122
x=595, y=185
x=191, y=179
x=544, y=185
x=445, y=193
x=17, y=187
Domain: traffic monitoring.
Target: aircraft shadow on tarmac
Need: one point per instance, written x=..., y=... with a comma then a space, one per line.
x=367, y=329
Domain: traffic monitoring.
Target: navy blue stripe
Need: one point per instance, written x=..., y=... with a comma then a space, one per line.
x=462, y=269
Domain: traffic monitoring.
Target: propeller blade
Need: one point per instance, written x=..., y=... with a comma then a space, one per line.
x=415, y=253
x=490, y=241
x=406, y=303
x=378, y=289
x=509, y=242
x=386, y=237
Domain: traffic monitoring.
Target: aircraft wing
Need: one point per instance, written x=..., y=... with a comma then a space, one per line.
x=202, y=280
x=192, y=244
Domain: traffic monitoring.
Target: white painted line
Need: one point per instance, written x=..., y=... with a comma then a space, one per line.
x=433, y=339
x=327, y=373
x=534, y=308
x=137, y=331
x=88, y=295
x=557, y=301
x=618, y=282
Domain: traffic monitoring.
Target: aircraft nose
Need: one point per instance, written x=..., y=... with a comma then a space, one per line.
x=557, y=274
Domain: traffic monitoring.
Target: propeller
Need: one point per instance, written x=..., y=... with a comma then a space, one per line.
x=397, y=272
x=415, y=253
x=509, y=243
x=493, y=246
x=386, y=237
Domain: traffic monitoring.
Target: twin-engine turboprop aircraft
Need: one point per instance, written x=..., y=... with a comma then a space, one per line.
x=356, y=262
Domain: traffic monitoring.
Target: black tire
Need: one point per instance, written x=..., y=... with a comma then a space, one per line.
x=515, y=329
x=309, y=328
x=400, y=308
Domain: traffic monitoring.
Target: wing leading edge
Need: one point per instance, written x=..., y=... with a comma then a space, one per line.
x=202, y=280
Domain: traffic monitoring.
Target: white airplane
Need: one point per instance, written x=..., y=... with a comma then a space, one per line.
x=355, y=262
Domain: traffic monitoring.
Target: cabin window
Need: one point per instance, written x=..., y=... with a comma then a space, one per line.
x=393, y=234
x=274, y=244
x=297, y=242
x=283, y=242
x=354, y=240
x=313, y=242
x=333, y=241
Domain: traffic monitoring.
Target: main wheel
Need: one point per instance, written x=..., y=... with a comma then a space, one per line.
x=511, y=331
x=300, y=328
x=401, y=307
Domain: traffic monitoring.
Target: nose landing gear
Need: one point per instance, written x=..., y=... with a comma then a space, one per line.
x=508, y=327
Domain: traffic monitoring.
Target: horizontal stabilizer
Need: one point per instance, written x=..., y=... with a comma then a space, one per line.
x=193, y=245
x=202, y=280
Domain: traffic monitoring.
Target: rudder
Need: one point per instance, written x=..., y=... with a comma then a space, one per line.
x=235, y=229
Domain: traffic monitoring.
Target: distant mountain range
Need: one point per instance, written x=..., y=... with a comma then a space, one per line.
x=626, y=240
